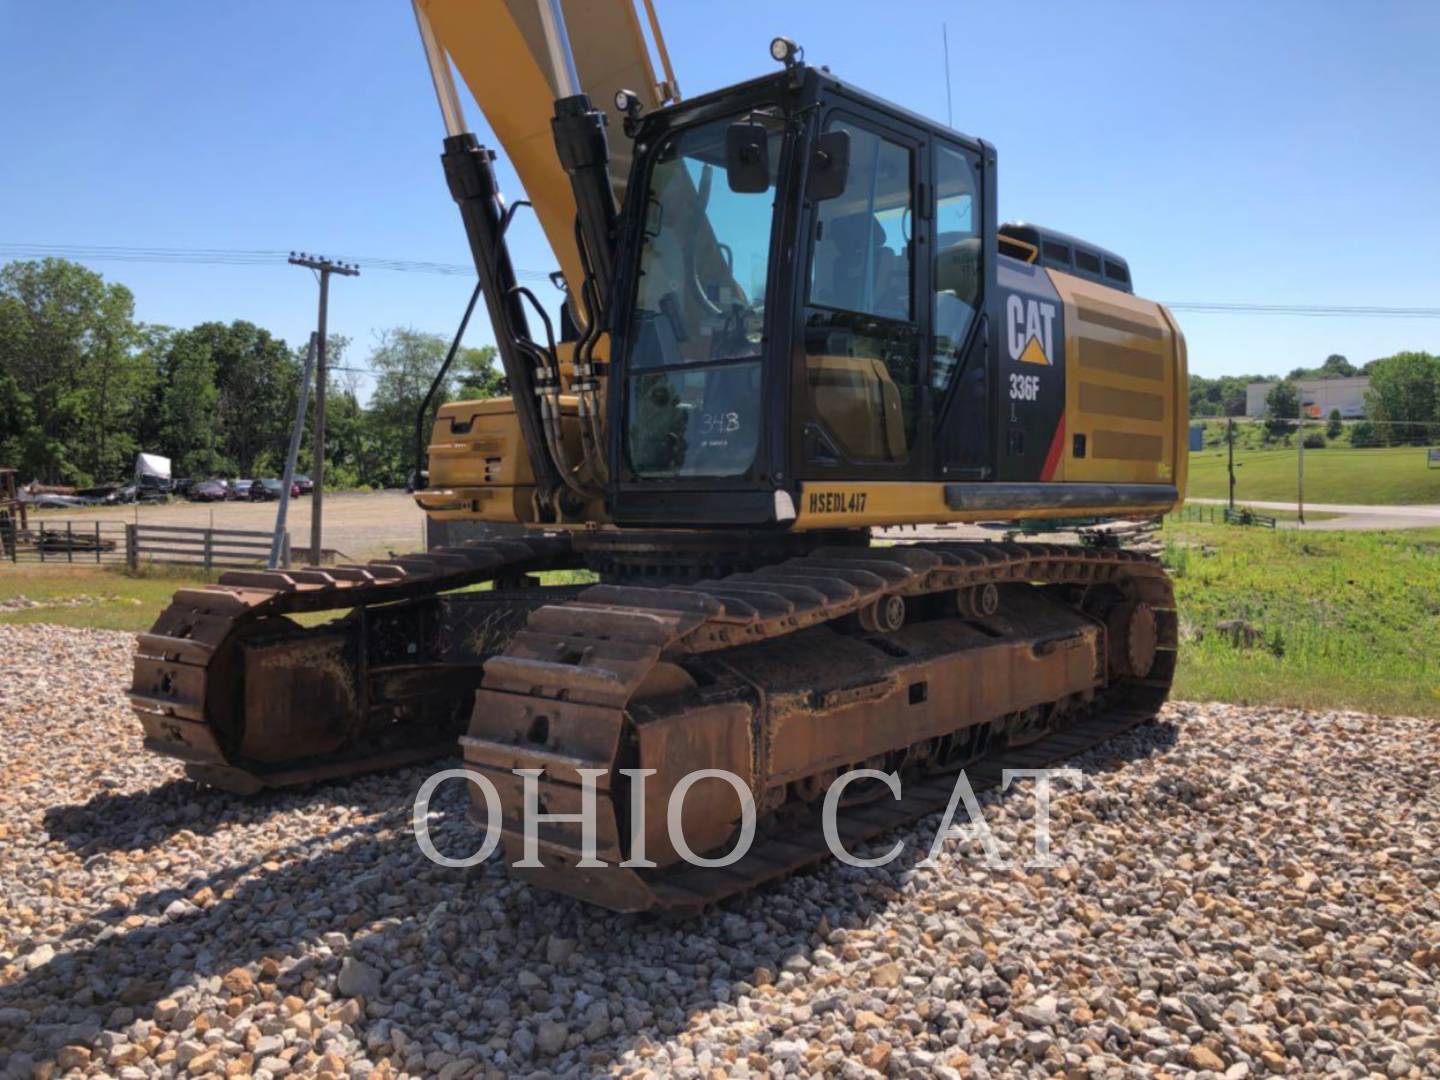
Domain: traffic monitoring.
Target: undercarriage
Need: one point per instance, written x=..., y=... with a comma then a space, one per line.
x=917, y=660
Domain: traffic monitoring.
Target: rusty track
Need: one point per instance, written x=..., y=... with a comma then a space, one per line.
x=790, y=674
x=247, y=698
x=914, y=659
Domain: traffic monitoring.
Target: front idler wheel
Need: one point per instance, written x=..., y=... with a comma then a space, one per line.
x=883, y=616
x=1132, y=638
x=979, y=602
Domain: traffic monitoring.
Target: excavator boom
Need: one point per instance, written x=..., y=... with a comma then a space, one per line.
x=501, y=50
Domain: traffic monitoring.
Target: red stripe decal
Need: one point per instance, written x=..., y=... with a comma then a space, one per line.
x=1052, y=459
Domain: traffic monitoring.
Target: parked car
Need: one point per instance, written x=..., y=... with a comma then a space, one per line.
x=47, y=501
x=274, y=488
x=210, y=491
x=304, y=485
x=127, y=494
x=182, y=486
x=240, y=489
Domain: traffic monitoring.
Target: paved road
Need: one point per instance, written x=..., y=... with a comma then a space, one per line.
x=1348, y=515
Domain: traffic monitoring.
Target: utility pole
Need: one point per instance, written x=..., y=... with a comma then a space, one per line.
x=277, y=552
x=1300, y=458
x=1230, y=442
x=325, y=267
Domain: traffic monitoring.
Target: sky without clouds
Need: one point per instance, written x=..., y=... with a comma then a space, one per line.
x=1275, y=153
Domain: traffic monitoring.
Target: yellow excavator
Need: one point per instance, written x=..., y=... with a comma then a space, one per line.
x=789, y=317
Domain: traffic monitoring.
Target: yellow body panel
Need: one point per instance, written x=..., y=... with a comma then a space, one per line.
x=1182, y=407
x=499, y=50
x=878, y=503
x=1125, y=387
x=479, y=468
x=849, y=392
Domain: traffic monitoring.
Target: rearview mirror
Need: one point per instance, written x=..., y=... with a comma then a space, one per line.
x=747, y=157
x=829, y=166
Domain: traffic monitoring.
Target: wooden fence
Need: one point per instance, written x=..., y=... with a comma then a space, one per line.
x=64, y=542
x=1223, y=515
x=206, y=548
x=119, y=542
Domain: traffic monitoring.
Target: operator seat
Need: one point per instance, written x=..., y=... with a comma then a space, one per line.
x=851, y=246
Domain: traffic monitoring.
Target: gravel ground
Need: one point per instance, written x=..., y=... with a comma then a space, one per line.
x=1241, y=892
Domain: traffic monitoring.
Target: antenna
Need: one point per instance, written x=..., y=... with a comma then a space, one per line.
x=949, y=107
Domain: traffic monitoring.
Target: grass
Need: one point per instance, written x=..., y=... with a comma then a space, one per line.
x=112, y=598
x=99, y=596
x=1388, y=476
x=1342, y=620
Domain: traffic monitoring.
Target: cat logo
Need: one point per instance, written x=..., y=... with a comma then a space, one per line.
x=1029, y=327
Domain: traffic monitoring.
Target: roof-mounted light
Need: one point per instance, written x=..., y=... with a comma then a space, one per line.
x=784, y=51
x=628, y=105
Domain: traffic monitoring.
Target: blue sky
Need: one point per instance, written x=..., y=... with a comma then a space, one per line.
x=1259, y=152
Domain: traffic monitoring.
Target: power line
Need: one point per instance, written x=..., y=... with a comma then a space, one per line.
x=274, y=257
x=232, y=257
x=1329, y=310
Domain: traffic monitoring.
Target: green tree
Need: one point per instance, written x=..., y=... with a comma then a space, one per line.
x=478, y=373
x=153, y=342
x=1335, y=425
x=1203, y=397
x=1221, y=396
x=1405, y=394
x=347, y=459
x=1334, y=367
x=405, y=362
x=17, y=418
x=255, y=380
x=1282, y=406
x=1337, y=367
x=258, y=380
x=186, y=407
x=68, y=342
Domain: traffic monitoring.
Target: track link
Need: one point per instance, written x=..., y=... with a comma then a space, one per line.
x=248, y=699
x=1062, y=645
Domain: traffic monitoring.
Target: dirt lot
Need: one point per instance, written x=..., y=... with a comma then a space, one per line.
x=359, y=525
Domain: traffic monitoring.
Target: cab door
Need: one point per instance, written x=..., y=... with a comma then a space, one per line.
x=862, y=359
x=960, y=370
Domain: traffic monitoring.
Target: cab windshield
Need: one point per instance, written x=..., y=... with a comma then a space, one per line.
x=694, y=340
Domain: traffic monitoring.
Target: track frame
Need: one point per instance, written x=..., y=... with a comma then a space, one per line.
x=594, y=684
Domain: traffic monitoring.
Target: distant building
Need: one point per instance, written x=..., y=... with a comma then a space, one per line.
x=1318, y=397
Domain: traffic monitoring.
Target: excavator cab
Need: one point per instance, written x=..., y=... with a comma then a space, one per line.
x=796, y=312
x=787, y=250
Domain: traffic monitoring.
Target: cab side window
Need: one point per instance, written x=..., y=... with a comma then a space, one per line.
x=862, y=347
x=862, y=238
x=957, y=262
